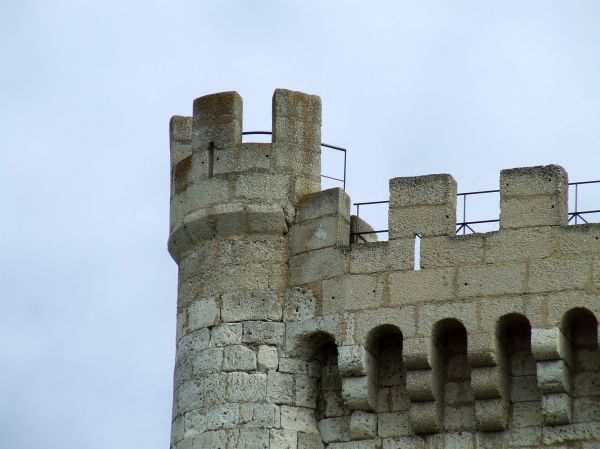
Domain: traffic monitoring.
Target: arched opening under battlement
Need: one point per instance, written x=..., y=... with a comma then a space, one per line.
x=323, y=392
x=580, y=327
x=450, y=353
x=388, y=374
x=514, y=335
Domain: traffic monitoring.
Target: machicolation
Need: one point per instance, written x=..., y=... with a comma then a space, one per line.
x=289, y=336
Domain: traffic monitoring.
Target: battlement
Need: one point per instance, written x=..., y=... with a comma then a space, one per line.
x=214, y=174
x=290, y=336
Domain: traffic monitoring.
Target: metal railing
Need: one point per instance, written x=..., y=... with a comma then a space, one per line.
x=465, y=226
x=326, y=145
x=579, y=213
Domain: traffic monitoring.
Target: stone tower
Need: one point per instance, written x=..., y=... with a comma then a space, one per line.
x=289, y=336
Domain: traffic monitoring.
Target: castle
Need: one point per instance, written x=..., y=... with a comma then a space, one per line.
x=291, y=337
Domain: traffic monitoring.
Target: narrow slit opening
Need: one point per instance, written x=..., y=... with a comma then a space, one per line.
x=211, y=158
x=417, y=255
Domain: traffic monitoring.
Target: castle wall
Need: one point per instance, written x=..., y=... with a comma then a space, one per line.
x=291, y=337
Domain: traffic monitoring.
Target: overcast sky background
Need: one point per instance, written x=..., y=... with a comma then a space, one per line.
x=87, y=87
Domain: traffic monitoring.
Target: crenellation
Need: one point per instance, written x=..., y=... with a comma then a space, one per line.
x=424, y=205
x=293, y=333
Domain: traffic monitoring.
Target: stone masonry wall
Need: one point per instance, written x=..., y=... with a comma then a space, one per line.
x=291, y=337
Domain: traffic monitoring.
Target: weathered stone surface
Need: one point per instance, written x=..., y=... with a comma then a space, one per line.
x=251, y=306
x=293, y=335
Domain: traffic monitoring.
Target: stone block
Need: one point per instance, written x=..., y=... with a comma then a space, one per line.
x=399, y=399
x=251, y=306
x=317, y=265
x=577, y=240
x=334, y=429
x=359, y=393
x=526, y=414
x=322, y=233
x=251, y=439
x=530, y=181
x=244, y=387
x=401, y=317
x=550, y=344
x=215, y=438
x=373, y=257
x=231, y=219
x=260, y=415
x=427, y=190
x=571, y=432
x=195, y=422
x=214, y=387
x=334, y=404
x=425, y=417
x=293, y=365
x=177, y=429
x=532, y=211
x=518, y=244
x=491, y=415
x=202, y=313
x=420, y=385
x=417, y=353
x=463, y=311
x=330, y=202
x=533, y=196
x=223, y=416
x=411, y=442
x=193, y=342
x=266, y=219
x=239, y=358
x=488, y=382
x=586, y=384
x=493, y=279
x=522, y=364
x=309, y=441
x=459, y=418
x=586, y=410
x=559, y=274
x=267, y=357
x=262, y=186
x=306, y=390
x=433, y=284
x=283, y=439
x=226, y=334
x=458, y=393
x=557, y=408
x=553, y=376
x=427, y=221
x=263, y=332
x=524, y=389
x=393, y=424
x=353, y=360
x=218, y=119
x=280, y=388
x=299, y=304
x=208, y=361
x=363, y=425
x=451, y=251
x=298, y=418
x=458, y=440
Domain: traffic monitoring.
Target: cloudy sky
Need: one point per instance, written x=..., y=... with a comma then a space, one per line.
x=87, y=288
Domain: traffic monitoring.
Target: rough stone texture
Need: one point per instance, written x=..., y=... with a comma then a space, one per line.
x=291, y=334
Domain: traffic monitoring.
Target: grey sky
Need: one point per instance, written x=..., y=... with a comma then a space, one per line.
x=87, y=87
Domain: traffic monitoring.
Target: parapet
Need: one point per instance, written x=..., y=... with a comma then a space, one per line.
x=293, y=334
x=214, y=174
